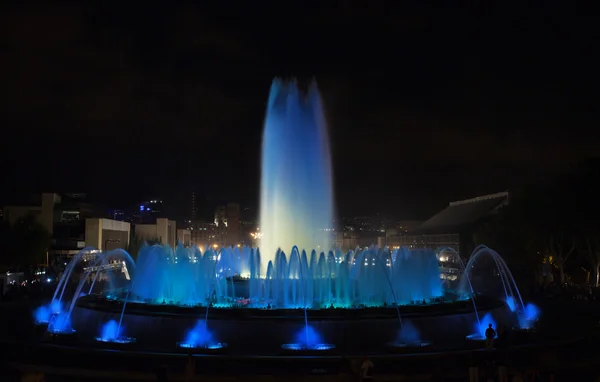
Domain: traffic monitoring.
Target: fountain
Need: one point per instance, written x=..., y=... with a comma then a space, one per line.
x=199, y=337
x=296, y=191
x=111, y=333
x=307, y=339
x=369, y=277
x=366, y=298
x=526, y=314
x=481, y=327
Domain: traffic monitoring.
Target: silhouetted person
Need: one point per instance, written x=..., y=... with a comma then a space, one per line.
x=366, y=373
x=490, y=333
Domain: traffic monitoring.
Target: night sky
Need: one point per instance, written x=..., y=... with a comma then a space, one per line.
x=425, y=104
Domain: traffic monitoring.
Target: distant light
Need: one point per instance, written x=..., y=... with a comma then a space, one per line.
x=215, y=245
x=141, y=207
x=239, y=245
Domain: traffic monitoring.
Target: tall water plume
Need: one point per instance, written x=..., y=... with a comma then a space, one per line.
x=296, y=193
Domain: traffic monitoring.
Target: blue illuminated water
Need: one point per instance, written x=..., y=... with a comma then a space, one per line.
x=364, y=278
x=481, y=327
x=110, y=331
x=409, y=333
x=307, y=338
x=200, y=337
x=60, y=323
x=484, y=324
x=510, y=302
x=529, y=316
x=44, y=313
x=296, y=191
x=526, y=314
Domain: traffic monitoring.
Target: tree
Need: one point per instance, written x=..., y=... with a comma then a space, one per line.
x=26, y=242
x=559, y=247
x=592, y=255
x=513, y=235
x=552, y=222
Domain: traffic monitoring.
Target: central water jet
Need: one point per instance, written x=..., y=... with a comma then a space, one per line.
x=296, y=194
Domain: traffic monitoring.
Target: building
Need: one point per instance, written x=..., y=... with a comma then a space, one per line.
x=67, y=218
x=106, y=234
x=454, y=226
x=220, y=219
x=163, y=230
x=42, y=208
x=227, y=221
x=194, y=206
x=148, y=211
x=184, y=236
x=206, y=234
x=121, y=215
x=233, y=217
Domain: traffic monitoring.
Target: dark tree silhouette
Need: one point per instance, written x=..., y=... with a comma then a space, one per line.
x=25, y=242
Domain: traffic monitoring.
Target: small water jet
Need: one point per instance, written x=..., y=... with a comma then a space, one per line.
x=481, y=327
x=42, y=315
x=526, y=314
x=307, y=339
x=409, y=338
x=199, y=337
x=111, y=332
x=529, y=317
x=466, y=278
x=60, y=329
x=62, y=283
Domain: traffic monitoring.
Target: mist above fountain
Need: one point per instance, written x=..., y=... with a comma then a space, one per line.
x=296, y=192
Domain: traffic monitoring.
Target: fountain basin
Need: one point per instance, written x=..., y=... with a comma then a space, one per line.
x=211, y=348
x=64, y=337
x=122, y=343
x=411, y=347
x=263, y=331
x=303, y=349
x=41, y=328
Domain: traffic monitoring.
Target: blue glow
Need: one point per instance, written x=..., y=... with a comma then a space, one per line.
x=296, y=192
x=510, y=302
x=409, y=334
x=366, y=278
x=483, y=325
x=528, y=318
x=200, y=337
x=307, y=338
x=60, y=323
x=212, y=346
x=110, y=331
x=532, y=312
x=42, y=314
x=141, y=208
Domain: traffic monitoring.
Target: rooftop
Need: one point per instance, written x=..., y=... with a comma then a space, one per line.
x=463, y=213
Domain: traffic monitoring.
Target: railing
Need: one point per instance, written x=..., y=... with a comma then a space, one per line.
x=103, y=267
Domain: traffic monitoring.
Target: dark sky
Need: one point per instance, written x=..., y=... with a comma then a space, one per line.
x=425, y=104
